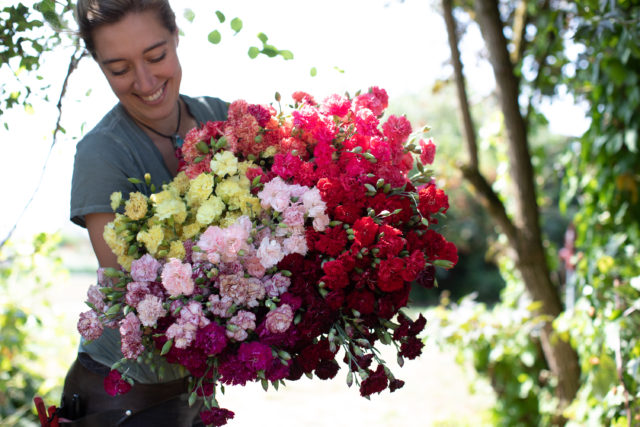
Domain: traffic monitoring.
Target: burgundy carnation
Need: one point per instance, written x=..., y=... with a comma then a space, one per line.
x=362, y=301
x=216, y=416
x=375, y=383
x=427, y=277
x=395, y=385
x=212, y=339
x=327, y=369
x=412, y=348
x=255, y=355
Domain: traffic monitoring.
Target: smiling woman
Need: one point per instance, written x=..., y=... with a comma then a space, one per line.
x=134, y=43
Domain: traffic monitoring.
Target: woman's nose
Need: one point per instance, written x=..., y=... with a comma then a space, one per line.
x=145, y=80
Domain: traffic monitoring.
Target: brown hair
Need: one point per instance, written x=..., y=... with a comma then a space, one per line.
x=91, y=14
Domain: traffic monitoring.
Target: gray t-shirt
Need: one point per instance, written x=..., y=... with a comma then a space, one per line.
x=111, y=153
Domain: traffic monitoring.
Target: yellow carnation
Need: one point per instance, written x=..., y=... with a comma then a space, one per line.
x=269, y=152
x=229, y=189
x=224, y=163
x=249, y=205
x=210, y=210
x=181, y=183
x=116, y=200
x=229, y=219
x=171, y=208
x=125, y=261
x=243, y=166
x=117, y=244
x=151, y=238
x=136, y=207
x=176, y=250
x=190, y=231
x=200, y=189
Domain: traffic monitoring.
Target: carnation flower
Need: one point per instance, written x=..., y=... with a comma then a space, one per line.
x=114, y=384
x=136, y=207
x=211, y=339
x=96, y=298
x=255, y=355
x=89, y=325
x=428, y=152
x=116, y=200
x=224, y=163
x=150, y=309
x=278, y=320
x=216, y=416
x=136, y=291
x=375, y=383
x=131, y=336
x=145, y=269
x=270, y=252
x=176, y=278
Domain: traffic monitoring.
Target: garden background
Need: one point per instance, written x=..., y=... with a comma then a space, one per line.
x=533, y=105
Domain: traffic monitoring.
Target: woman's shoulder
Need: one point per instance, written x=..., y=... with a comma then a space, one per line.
x=105, y=134
x=206, y=108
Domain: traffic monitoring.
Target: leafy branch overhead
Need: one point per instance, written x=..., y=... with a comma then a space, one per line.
x=236, y=25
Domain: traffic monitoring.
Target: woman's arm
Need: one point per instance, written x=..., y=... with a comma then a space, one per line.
x=95, y=225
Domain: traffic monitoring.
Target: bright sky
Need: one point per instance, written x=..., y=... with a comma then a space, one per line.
x=401, y=47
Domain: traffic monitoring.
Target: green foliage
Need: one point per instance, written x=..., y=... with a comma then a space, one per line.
x=29, y=364
x=25, y=34
x=501, y=345
x=603, y=184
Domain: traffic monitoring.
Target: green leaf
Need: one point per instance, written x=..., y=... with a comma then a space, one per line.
x=220, y=16
x=166, y=347
x=214, y=37
x=189, y=15
x=313, y=72
x=263, y=37
x=270, y=51
x=286, y=54
x=253, y=52
x=236, y=25
x=192, y=397
x=134, y=181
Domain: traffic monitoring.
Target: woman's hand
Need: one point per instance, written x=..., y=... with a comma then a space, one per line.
x=95, y=225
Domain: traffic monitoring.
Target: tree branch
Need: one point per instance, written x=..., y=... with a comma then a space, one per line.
x=77, y=55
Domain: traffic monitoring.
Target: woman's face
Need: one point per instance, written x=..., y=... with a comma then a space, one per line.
x=138, y=57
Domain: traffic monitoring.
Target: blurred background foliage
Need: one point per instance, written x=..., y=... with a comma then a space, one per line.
x=587, y=48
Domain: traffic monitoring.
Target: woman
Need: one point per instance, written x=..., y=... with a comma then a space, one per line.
x=134, y=43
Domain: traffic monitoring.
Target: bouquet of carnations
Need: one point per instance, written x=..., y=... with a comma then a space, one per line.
x=284, y=239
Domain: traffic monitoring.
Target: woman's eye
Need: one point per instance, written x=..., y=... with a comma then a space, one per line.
x=158, y=58
x=119, y=72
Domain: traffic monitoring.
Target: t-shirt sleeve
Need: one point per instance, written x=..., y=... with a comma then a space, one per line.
x=98, y=171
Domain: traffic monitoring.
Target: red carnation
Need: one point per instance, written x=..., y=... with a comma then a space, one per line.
x=389, y=275
x=431, y=200
x=260, y=113
x=115, y=385
x=391, y=243
x=414, y=264
x=332, y=242
x=365, y=231
x=347, y=213
x=397, y=129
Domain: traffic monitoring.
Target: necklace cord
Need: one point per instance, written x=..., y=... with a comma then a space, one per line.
x=173, y=138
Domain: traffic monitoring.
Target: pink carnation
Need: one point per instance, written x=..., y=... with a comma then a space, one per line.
x=176, y=278
x=428, y=153
x=136, y=291
x=276, y=285
x=233, y=286
x=89, y=325
x=239, y=324
x=150, y=310
x=145, y=269
x=397, y=129
x=293, y=215
x=131, y=336
x=220, y=305
x=192, y=313
x=275, y=194
x=182, y=334
x=254, y=267
x=96, y=298
x=336, y=105
x=269, y=252
x=295, y=244
x=278, y=321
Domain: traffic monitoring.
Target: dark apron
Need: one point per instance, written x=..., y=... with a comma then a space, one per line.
x=85, y=402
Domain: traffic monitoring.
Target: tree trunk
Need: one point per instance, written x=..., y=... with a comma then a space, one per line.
x=523, y=232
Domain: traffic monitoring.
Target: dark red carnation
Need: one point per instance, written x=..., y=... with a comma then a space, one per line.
x=375, y=383
x=450, y=252
x=114, y=384
x=390, y=243
x=335, y=299
x=362, y=301
x=427, y=277
x=365, y=231
x=412, y=348
x=216, y=416
x=336, y=277
x=277, y=370
x=327, y=369
x=395, y=385
x=418, y=326
x=235, y=372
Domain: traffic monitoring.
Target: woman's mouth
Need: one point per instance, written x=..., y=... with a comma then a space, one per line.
x=154, y=96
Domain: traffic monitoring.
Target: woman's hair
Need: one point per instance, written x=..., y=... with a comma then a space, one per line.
x=91, y=14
